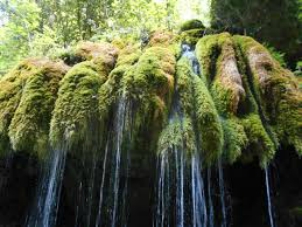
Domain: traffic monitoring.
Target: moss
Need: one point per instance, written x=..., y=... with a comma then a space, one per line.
x=76, y=103
x=296, y=212
x=242, y=104
x=218, y=61
x=191, y=37
x=276, y=90
x=150, y=83
x=11, y=92
x=198, y=104
x=178, y=133
x=208, y=121
x=161, y=38
x=219, y=66
x=90, y=50
x=153, y=73
x=146, y=81
x=69, y=56
x=184, y=86
x=245, y=126
x=259, y=143
x=112, y=89
x=207, y=52
x=29, y=127
x=227, y=84
x=192, y=24
x=119, y=43
x=235, y=139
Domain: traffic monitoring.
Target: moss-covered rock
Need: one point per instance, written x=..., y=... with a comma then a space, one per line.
x=259, y=143
x=76, y=109
x=192, y=36
x=227, y=84
x=76, y=106
x=29, y=127
x=112, y=89
x=197, y=103
x=241, y=106
x=91, y=50
x=276, y=90
x=235, y=138
x=86, y=51
x=27, y=93
x=207, y=51
x=227, y=76
x=150, y=84
x=165, y=39
x=192, y=24
x=178, y=134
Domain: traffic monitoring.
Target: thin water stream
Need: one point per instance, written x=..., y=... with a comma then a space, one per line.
x=269, y=200
x=44, y=211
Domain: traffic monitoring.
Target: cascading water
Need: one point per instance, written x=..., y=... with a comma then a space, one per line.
x=210, y=202
x=201, y=211
x=119, y=130
x=180, y=170
x=113, y=190
x=101, y=191
x=269, y=201
x=200, y=216
x=222, y=193
x=179, y=188
x=171, y=176
x=44, y=212
x=180, y=185
x=188, y=53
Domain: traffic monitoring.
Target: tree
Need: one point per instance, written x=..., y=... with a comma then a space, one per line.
x=273, y=21
x=20, y=20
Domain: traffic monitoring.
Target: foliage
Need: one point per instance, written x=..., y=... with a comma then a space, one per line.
x=277, y=23
x=20, y=23
x=42, y=28
x=277, y=55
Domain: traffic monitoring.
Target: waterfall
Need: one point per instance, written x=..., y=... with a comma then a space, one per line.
x=180, y=182
x=101, y=193
x=210, y=203
x=44, y=212
x=199, y=207
x=113, y=191
x=180, y=187
x=180, y=170
x=188, y=53
x=119, y=130
x=222, y=193
x=269, y=201
x=160, y=209
x=173, y=160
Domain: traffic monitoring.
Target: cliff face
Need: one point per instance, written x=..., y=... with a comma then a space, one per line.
x=105, y=115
